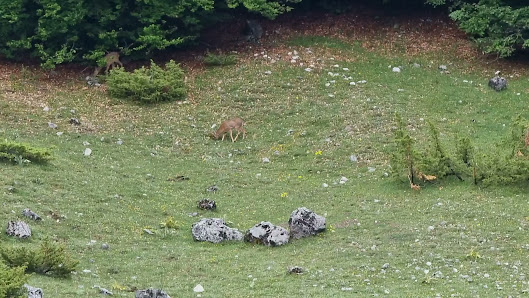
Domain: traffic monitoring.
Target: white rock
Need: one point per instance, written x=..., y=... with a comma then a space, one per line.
x=268, y=72
x=343, y=180
x=395, y=69
x=198, y=288
x=87, y=151
x=308, y=69
x=431, y=228
x=85, y=143
x=52, y=125
x=352, y=83
x=325, y=185
x=45, y=109
x=345, y=69
x=370, y=169
x=266, y=160
x=59, y=133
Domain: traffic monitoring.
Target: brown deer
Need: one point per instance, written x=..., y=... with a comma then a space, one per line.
x=228, y=126
x=111, y=59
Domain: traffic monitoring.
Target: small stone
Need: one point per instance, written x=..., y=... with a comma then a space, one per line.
x=347, y=289
x=308, y=69
x=371, y=169
x=385, y=266
x=416, y=65
x=353, y=158
x=325, y=185
x=33, y=292
x=268, y=72
x=295, y=270
x=75, y=121
x=198, y=288
x=46, y=109
x=395, y=69
x=119, y=142
x=28, y=213
x=266, y=160
x=442, y=67
x=87, y=152
x=105, y=246
x=431, y=228
x=52, y=125
x=352, y=83
x=85, y=143
x=59, y=133
x=207, y=204
x=147, y=231
x=213, y=188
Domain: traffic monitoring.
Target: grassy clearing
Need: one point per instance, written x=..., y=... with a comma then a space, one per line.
x=450, y=238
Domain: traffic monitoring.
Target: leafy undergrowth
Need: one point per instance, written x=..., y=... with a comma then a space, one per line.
x=383, y=238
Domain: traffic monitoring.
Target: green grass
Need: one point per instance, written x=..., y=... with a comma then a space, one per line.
x=112, y=195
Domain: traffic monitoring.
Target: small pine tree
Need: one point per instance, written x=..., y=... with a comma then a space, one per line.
x=11, y=281
x=404, y=157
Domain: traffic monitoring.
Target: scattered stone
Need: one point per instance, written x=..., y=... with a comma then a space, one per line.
x=303, y=223
x=442, y=67
x=119, y=142
x=396, y=69
x=18, y=229
x=353, y=158
x=266, y=160
x=52, y=125
x=75, y=121
x=28, y=213
x=92, y=81
x=213, y=188
x=105, y=246
x=290, y=132
x=103, y=291
x=46, y=109
x=87, y=152
x=192, y=214
x=416, y=65
x=498, y=83
x=267, y=234
x=370, y=169
x=325, y=185
x=33, y=292
x=207, y=204
x=151, y=293
x=385, y=266
x=86, y=143
x=147, y=231
x=214, y=230
x=343, y=180
x=295, y=270
x=268, y=72
x=198, y=288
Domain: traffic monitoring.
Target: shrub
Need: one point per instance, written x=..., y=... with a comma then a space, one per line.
x=11, y=281
x=404, y=157
x=50, y=258
x=19, y=152
x=219, y=60
x=148, y=85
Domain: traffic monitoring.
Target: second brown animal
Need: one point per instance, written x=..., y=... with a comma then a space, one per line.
x=229, y=126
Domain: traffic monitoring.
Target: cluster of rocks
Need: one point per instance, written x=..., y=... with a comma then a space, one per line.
x=21, y=229
x=302, y=223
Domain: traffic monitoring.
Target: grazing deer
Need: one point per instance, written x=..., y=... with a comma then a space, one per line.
x=111, y=59
x=228, y=126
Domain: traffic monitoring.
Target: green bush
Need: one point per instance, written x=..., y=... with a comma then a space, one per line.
x=220, y=59
x=20, y=152
x=50, y=258
x=498, y=26
x=12, y=281
x=58, y=31
x=148, y=85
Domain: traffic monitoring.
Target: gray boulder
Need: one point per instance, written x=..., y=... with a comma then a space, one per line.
x=214, y=230
x=498, y=83
x=151, y=293
x=33, y=292
x=18, y=229
x=253, y=31
x=304, y=222
x=207, y=204
x=267, y=234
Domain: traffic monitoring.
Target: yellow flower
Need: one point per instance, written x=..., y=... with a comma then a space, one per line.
x=319, y=152
x=284, y=195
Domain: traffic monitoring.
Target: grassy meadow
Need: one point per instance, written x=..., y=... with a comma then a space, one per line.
x=451, y=238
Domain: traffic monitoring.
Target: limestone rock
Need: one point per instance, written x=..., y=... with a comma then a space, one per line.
x=498, y=83
x=304, y=222
x=18, y=229
x=207, y=204
x=214, y=230
x=151, y=293
x=28, y=213
x=33, y=292
x=267, y=234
